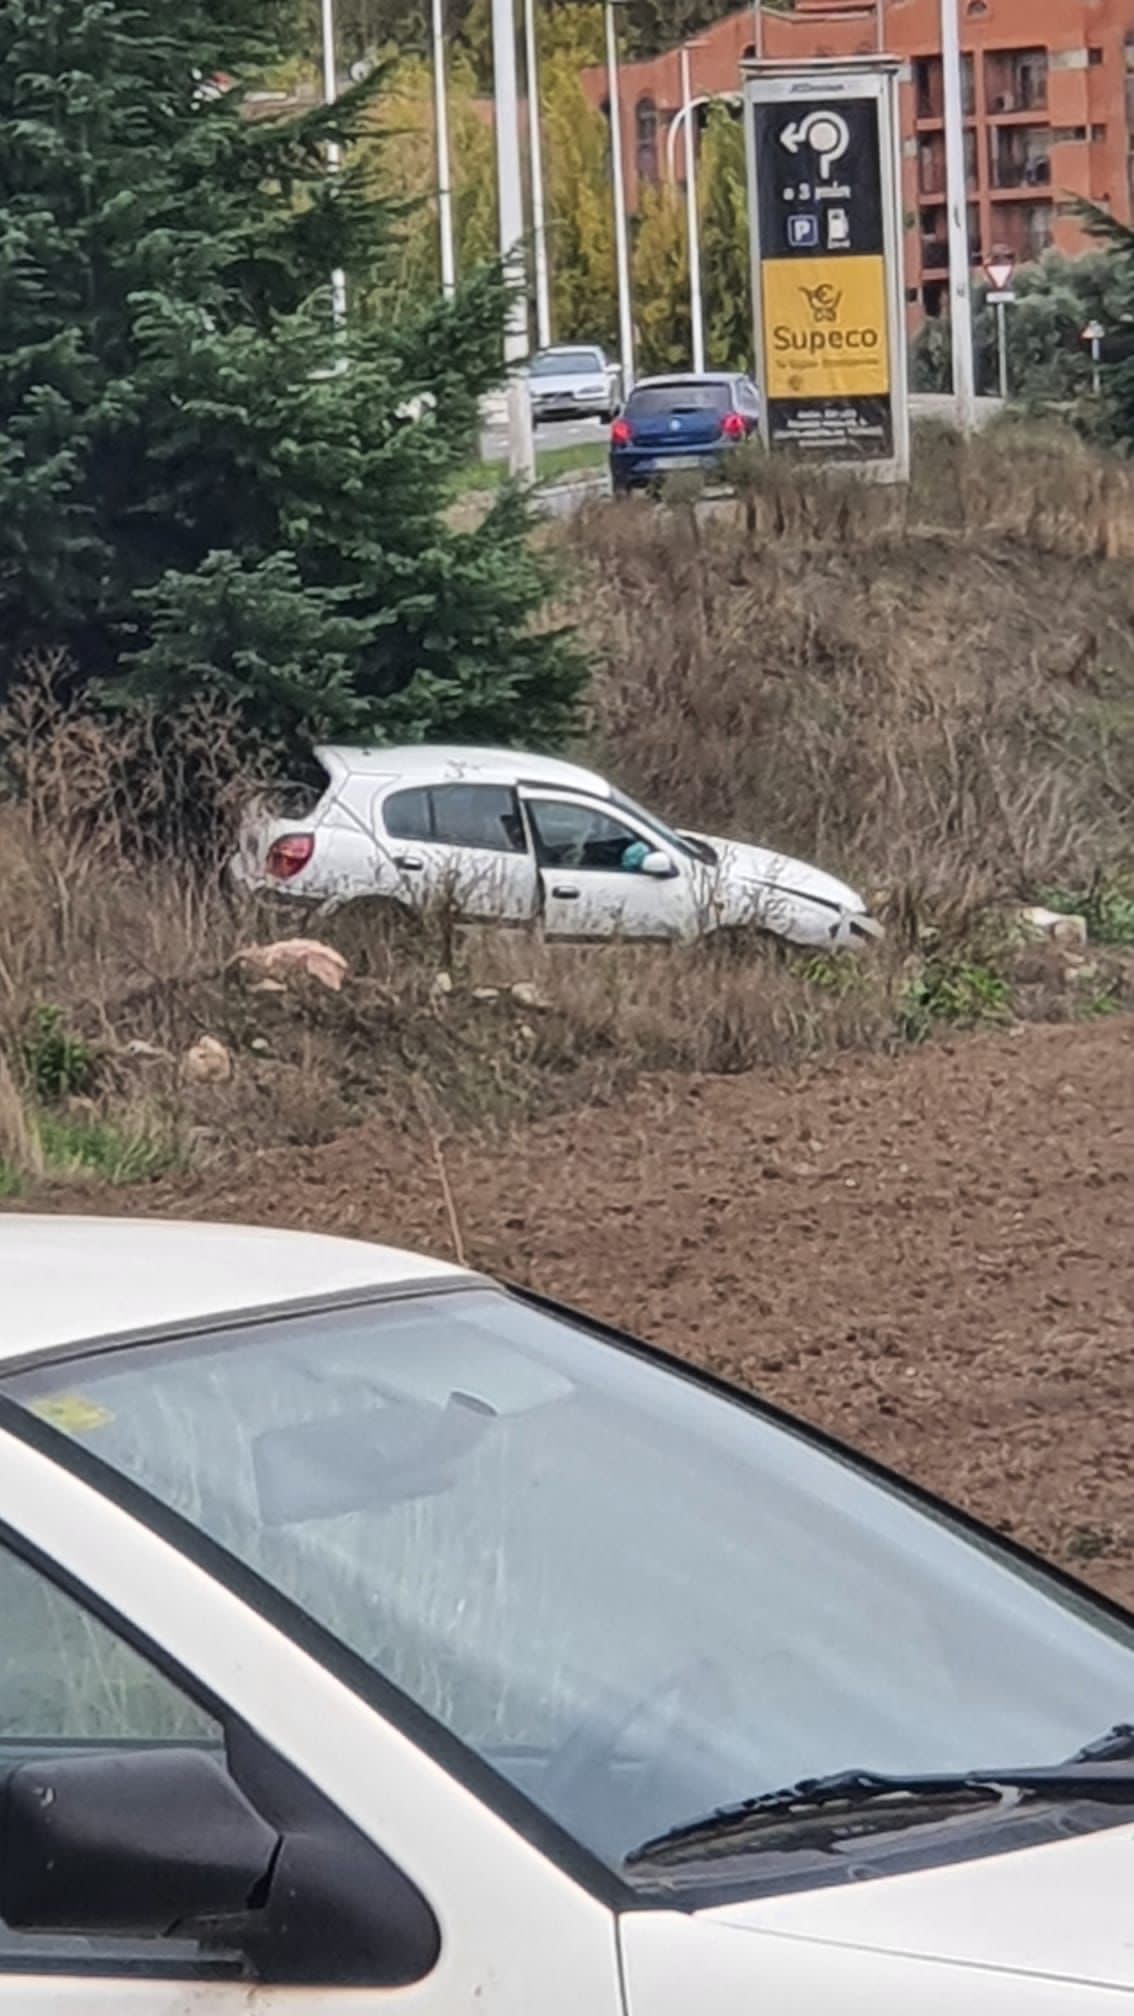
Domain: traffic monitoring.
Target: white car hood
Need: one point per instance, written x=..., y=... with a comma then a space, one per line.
x=742, y=868
x=1043, y=1931
x=577, y=381
x=1065, y=1909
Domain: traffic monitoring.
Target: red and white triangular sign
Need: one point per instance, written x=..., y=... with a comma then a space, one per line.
x=999, y=267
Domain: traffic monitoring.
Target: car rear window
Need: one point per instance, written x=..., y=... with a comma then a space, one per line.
x=565, y=363
x=678, y=398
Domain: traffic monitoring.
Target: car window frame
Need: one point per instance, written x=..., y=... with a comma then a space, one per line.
x=561, y=1850
x=606, y=810
x=90, y=1966
x=403, y=790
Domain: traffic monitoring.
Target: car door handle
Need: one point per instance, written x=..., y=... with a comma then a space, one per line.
x=408, y=861
x=566, y=891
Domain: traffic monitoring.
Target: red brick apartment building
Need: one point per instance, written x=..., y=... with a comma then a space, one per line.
x=1049, y=103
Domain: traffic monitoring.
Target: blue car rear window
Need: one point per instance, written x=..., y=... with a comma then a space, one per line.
x=679, y=398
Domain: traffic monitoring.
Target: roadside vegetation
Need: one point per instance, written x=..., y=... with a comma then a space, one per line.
x=932, y=695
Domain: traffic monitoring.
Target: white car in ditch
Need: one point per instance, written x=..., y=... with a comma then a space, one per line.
x=380, y=1642
x=511, y=839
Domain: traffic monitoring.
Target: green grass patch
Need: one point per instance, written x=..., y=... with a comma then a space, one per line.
x=958, y=992
x=551, y=463
x=1107, y=905
x=76, y=1145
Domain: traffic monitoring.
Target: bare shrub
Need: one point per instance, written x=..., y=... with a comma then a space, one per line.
x=930, y=694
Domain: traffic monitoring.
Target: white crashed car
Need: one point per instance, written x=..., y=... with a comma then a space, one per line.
x=507, y=838
x=380, y=1642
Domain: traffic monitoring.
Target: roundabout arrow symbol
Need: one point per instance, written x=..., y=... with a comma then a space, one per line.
x=826, y=133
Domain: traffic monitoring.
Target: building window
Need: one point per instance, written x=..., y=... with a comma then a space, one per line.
x=1019, y=156
x=931, y=162
x=1039, y=225
x=1015, y=80
x=929, y=87
x=646, y=132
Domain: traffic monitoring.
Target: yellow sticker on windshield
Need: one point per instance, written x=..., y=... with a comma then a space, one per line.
x=70, y=1413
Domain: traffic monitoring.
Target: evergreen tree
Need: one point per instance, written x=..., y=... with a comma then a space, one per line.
x=403, y=165
x=580, y=217
x=661, y=281
x=1047, y=359
x=200, y=485
x=725, y=258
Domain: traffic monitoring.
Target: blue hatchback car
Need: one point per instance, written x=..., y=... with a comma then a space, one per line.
x=681, y=422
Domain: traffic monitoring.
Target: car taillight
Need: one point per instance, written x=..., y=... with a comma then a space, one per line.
x=288, y=854
x=621, y=434
x=732, y=427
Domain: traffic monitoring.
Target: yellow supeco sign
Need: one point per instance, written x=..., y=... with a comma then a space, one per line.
x=825, y=328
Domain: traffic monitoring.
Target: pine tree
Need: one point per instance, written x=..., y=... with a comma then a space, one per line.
x=661, y=281
x=723, y=193
x=200, y=487
x=580, y=217
x=1056, y=297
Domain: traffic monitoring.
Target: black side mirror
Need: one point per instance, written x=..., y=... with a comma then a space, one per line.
x=162, y=1840
x=128, y=1842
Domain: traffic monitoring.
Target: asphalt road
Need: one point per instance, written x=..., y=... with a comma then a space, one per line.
x=578, y=433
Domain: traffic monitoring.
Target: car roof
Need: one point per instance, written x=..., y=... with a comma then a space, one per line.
x=435, y=763
x=687, y=378
x=67, y=1281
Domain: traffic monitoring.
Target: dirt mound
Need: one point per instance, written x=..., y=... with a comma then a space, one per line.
x=930, y=1257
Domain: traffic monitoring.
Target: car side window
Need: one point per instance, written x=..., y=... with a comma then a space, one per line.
x=580, y=836
x=406, y=815
x=68, y=1682
x=478, y=815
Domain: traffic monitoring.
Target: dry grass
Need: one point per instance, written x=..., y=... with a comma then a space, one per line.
x=932, y=694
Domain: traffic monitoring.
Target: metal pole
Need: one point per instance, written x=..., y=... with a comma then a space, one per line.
x=510, y=206
x=535, y=153
x=956, y=196
x=444, y=176
x=1002, y=347
x=334, y=151
x=1096, y=360
x=692, y=221
x=621, y=246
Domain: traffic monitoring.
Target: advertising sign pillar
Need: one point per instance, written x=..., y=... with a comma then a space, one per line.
x=824, y=206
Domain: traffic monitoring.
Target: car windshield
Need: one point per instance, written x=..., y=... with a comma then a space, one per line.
x=656, y=825
x=682, y=396
x=632, y=1595
x=565, y=363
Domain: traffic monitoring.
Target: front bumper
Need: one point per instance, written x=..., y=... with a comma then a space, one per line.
x=571, y=409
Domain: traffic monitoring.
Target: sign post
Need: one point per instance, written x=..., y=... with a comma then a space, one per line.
x=1093, y=334
x=824, y=209
x=998, y=272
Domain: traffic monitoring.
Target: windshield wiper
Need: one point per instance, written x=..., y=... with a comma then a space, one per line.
x=902, y=1799
x=1115, y=1746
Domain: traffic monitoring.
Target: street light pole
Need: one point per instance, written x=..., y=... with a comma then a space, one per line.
x=510, y=209
x=621, y=246
x=692, y=221
x=535, y=155
x=444, y=177
x=956, y=197
x=334, y=151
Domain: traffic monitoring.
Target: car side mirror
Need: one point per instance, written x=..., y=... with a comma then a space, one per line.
x=130, y=1842
x=657, y=864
